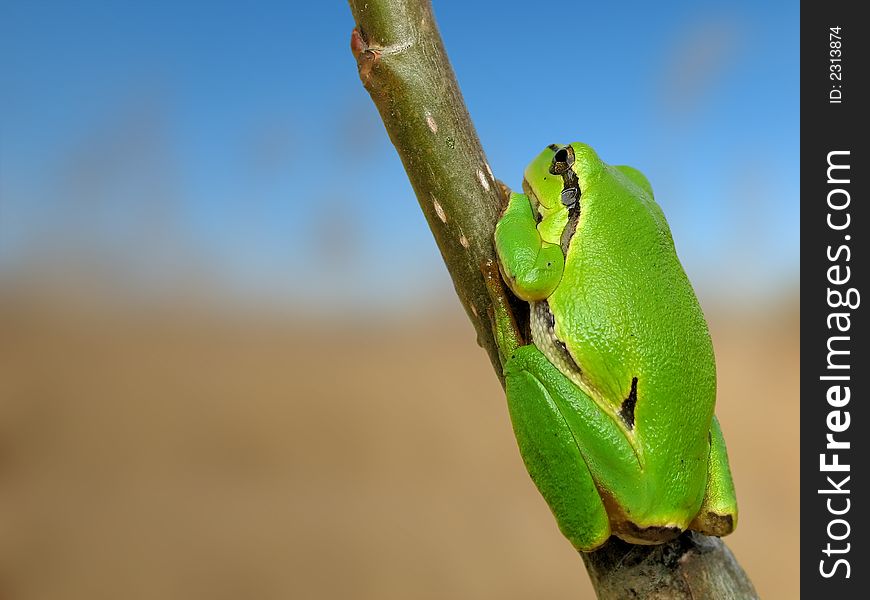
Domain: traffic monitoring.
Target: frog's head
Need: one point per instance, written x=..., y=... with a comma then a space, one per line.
x=554, y=182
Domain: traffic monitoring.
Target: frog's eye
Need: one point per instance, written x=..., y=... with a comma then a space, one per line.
x=562, y=160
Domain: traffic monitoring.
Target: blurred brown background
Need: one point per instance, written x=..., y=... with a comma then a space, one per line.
x=195, y=454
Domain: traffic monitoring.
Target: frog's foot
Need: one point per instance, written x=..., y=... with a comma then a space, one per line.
x=718, y=514
x=711, y=523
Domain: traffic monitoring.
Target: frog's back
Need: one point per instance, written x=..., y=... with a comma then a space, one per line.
x=631, y=322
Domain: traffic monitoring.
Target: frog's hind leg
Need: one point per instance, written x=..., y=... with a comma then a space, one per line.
x=547, y=445
x=554, y=461
x=718, y=513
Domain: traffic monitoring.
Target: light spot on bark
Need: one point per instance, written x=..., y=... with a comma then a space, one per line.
x=439, y=211
x=489, y=170
x=430, y=121
x=483, y=180
x=474, y=311
x=463, y=241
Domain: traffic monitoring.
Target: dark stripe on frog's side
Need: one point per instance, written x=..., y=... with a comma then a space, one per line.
x=627, y=410
x=557, y=353
x=570, y=228
x=552, y=346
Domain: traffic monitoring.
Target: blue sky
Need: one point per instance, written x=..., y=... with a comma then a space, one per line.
x=168, y=139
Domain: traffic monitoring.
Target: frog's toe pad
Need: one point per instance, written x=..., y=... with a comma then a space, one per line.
x=711, y=523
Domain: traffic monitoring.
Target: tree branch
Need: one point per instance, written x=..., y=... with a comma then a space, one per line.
x=691, y=567
x=403, y=65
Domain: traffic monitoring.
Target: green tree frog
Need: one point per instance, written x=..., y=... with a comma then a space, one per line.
x=612, y=401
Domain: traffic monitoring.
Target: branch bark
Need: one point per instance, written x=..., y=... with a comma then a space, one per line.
x=403, y=65
x=691, y=567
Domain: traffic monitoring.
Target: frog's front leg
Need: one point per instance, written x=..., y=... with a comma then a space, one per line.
x=532, y=267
